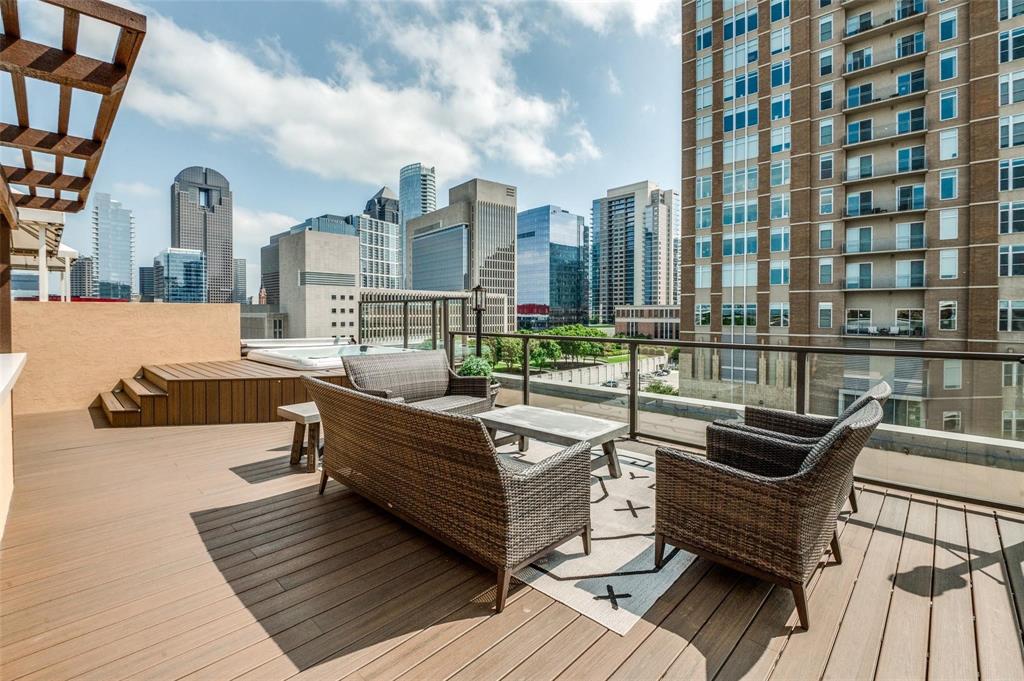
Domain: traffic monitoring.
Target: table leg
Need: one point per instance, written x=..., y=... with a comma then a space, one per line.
x=300, y=434
x=524, y=443
x=613, y=458
x=312, y=447
x=493, y=434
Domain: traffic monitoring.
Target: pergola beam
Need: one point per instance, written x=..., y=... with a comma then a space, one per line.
x=41, y=178
x=104, y=11
x=48, y=203
x=27, y=59
x=31, y=139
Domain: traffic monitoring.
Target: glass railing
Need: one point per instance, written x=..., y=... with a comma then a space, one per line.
x=900, y=243
x=904, y=10
x=884, y=282
x=862, y=208
x=880, y=57
x=952, y=425
x=866, y=172
x=881, y=132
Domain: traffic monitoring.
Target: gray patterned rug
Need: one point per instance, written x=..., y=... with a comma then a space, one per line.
x=617, y=583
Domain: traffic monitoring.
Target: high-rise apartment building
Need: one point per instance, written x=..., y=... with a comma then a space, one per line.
x=82, y=283
x=383, y=206
x=113, y=248
x=417, y=195
x=552, y=269
x=179, y=276
x=239, y=295
x=853, y=175
x=471, y=241
x=201, y=219
x=147, y=286
x=633, y=257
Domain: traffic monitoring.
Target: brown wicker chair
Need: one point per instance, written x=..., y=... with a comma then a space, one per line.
x=422, y=378
x=759, y=504
x=441, y=473
x=804, y=428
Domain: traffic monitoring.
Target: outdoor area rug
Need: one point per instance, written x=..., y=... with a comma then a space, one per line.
x=617, y=583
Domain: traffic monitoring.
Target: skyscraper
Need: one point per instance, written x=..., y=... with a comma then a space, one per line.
x=417, y=194
x=469, y=242
x=179, y=275
x=383, y=206
x=113, y=248
x=82, y=283
x=632, y=248
x=147, y=286
x=551, y=267
x=239, y=295
x=201, y=219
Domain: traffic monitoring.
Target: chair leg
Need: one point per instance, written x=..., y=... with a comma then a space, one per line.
x=586, y=540
x=801, y=605
x=323, y=481
x=836, y=553
x=853, y=500
x=504, y=577
x=659, y=549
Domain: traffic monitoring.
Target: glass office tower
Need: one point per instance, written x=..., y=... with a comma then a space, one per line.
x=179, y=275
x=551, y=267
x=113, y=248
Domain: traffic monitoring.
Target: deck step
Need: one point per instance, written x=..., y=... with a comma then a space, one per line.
x=139, y=388
x=120, y=408
x=154, y=375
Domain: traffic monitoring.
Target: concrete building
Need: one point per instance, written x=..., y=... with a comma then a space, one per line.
x=262, y=321
x=179, y=276
x=319, y=275
x=417, y=195
x=632, y=248
x=113, y=248
x=852, y=176
x=240, y=295
x=147, y=286
x=83, y=285
x=552, y=270
x=471, y=241
x=201, y=219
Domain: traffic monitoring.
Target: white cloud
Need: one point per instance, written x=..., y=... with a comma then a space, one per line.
x=134, y=189
x=602, y=15
x=253, y=228
x=614, y=86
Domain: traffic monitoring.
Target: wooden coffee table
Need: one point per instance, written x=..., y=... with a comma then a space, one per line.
x=560, y=428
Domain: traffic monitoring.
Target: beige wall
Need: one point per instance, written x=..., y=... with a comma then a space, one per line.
x=6, y=460
x=78, y=350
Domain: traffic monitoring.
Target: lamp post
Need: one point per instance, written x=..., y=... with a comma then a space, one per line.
x=479, y=305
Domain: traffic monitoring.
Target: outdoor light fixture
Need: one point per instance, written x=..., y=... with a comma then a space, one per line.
x=479, y=305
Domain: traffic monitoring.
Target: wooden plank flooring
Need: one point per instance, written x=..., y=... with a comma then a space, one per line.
x=197, y=552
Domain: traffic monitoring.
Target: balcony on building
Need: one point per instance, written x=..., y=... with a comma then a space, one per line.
x=916, y=242
x=869, y=98
x=911, y=128
x=867, y=25
x=869, y=170
x=882, y=330
x=863, y=62
x=856, y=209
x=884, y=283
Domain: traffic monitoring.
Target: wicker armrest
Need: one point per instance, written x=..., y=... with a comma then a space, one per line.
x=779, y=421
x=384, y=394
x=755, y=452
x=475, y=386
x=740, y=424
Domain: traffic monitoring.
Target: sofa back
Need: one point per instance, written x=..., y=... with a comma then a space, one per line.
x=415, y=376
x=436, y=470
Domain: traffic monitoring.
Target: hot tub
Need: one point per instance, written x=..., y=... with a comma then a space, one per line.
x=316, y=357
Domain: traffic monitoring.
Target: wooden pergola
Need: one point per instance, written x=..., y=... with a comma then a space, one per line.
x=25, y=185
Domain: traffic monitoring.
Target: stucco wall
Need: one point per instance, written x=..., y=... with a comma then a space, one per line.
x=6, y=460
x=78, y=350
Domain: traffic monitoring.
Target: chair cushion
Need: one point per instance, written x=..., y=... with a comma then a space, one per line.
x=467, y=405
x=415, y=376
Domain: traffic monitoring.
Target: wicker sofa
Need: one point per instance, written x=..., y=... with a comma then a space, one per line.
x=441, y=473
x=422, y=378
x=803, y=428
x=759, y=504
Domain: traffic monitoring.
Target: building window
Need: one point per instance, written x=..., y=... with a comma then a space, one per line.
x=1011, y=174
x=825, y=28
x=948, y=263
x=704, y=67
x=704, y=127
x=947, y=105
x=739, y=315
x=739, y=55
x=951, y=421
x=702, y=276
x=825, y=270
x=780, y=40
x=703, y=186
x=739, y=212
x=779, y=240
x=704, y=38
x=825, y=132
x=948, y=184
x=781, y=106
x=826, y=203
x=947, y=315
x=824, y=315
x=703, y=10
x=703, y=157
x=702, y=314
x=740, y=86
x=703, y=217
x=1013, y=372
x=1011, y=87
x=739, y=181
x=1011, y=131
x=952, y=374
x=739, y=149
x=825, y=166
x=825, y=97
x=780, y=73
x=702, y=247
x=779, y=173
x=825, y=62
x=1011, y=217
x=781, y=139
x=1011, y=315
x=704, y=97
x=825, y=235
x=1010, y=8
x=947, y=65
x=739, y=244
x=779, y=206
x=1011, y=45
x=1011, y=260
x=947, y=25
x=779, y=273
x=778, y=314
x=739, y=24
x=779, y=9
x=1013, y=424
x=949, y=144
x=948, y=223
x=739, y=274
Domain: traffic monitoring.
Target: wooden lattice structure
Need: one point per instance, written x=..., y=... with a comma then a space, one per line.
x=61, y=65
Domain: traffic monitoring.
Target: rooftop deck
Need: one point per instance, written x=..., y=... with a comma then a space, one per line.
x=196, y=551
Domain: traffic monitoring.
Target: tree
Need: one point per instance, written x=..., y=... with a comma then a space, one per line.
x=660, y=388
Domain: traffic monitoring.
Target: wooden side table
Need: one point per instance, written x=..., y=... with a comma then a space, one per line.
x=307, y=427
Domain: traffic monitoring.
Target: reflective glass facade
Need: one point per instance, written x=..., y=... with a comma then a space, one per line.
x=113, y=247
x=417, y=195
x=551, y=267
x=440, y=259
x=179, y=275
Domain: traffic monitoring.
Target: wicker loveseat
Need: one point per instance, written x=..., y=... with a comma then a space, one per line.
x=420, y=378
x=803, y=428
x=441, y=473
x=759, y=504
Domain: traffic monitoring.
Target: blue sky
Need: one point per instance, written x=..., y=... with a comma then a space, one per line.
x=308, y=107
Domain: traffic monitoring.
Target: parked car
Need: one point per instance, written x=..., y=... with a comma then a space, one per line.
x=610, y=384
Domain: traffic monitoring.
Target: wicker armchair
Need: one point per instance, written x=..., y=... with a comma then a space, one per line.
x=803, y=428
x=767, y=515
x=441, y=473
x=422, y=378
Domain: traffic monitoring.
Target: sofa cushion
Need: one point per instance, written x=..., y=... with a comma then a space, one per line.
x=467, y=405
x=414, y=376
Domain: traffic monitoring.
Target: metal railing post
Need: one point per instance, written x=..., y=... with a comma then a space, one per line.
x=526, y=370
x=801, y=382
x=405, y=324
x=634, y=390
x=449, y=346
x=433, y=324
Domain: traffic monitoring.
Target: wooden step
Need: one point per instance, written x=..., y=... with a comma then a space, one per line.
x=154, y=375
x=140, y=388
x=151, y=399
x=120, y=409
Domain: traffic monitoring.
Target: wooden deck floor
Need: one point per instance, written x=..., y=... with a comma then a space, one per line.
x=197, y=552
